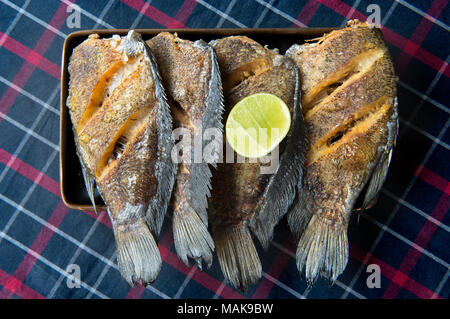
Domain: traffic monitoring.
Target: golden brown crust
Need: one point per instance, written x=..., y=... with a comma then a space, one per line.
x=185, y=71
x=318, y=61
x=352, y=101
x=131, y=178
x=238, y=187
x=343, y=169
x=132, y=94
x=123, y=87
x=242, y=49
x=89, y=61
x=349, y=91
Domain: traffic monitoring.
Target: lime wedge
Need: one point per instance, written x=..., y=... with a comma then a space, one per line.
x=257, y=124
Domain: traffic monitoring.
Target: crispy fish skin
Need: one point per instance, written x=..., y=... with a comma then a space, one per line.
x=93, y=57
x=350, y=109
x=191, y=78
x=91, y=66
x=242, y=197
x=122, y=127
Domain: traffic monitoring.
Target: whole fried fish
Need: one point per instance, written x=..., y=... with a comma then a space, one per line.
x=122, y=127
x=350, y=110
x=191, y=78
x=242, y=196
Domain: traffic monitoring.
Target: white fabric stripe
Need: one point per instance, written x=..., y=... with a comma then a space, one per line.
x=427, y=93
x=28, y=194
x=220, y=13
x=103, y=273
x=184, y=283
x=416, y=210
x=28, y=131
x=389, y=13
x=76, y=254
x=283, y=286
x=14, y=22
x=263, y=15
x=47, y=262
x=42, y=171
x=34, y=18
x=424, y=14
x=140, y=15
x=424, y=133
x=105, y=270
x=51, y=28
x=29, y=95
x=157, y=292
x=105, y=10
x=424, y=97
x=27, y=136
x=441, y=284
x=306, y=292
x=97, y=20
x=350, y=12
x=219, y=290
x=226, y=13
x=410, y=243
x=355, y=293
x=57, y=230
x=281, y=13
x=396, y=208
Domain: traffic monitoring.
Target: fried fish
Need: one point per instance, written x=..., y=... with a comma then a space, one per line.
x=350, y=110
x=122, y=127
x=191, y=78
x=242, y=197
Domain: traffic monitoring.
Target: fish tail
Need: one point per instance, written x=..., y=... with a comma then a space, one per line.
x=323, y=248
x=191, y=237
x=237, y=256
x=138, y=256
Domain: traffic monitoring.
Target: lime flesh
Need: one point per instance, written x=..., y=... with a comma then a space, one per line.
x=257, y=124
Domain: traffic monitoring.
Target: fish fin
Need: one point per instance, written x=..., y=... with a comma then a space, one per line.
x=280, y=192
x=237, y=256
x=212, y=117
x=191, y=238
x=323, y=249
x=200, y=189
x=166, y=168
x=138, y=256
x=380, y=172
x=200, y=182
x=299, y=214
x=89, y=182
x=377, y=180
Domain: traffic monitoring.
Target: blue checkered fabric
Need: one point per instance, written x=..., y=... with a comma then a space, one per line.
x=406, y=234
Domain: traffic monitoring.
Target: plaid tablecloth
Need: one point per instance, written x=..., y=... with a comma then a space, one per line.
x=406, y=234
